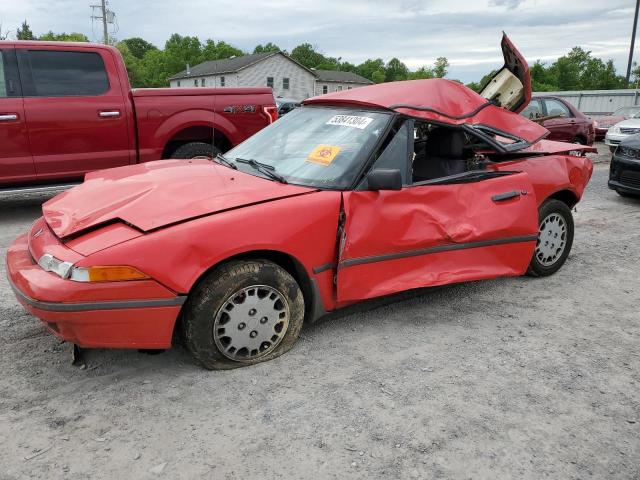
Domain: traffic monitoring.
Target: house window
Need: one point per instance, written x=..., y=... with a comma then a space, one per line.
x=178, y=82
x=339, y=88
x=222, y=81
x=202, y=82
x=195, y=82
x=270, y=82
x=285, y=84
x=325, y=89
x=348, y=88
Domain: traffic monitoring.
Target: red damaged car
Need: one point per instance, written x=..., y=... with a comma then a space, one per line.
x=357, y=194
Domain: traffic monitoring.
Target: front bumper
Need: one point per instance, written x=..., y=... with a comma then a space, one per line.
x=624, y=174
x=135, y=314
x=614, y=139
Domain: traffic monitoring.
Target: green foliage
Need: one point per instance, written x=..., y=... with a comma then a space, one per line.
x=64, y=37
x=267, y=48
x=441, y=67
x=24, y=32
x=138, y=46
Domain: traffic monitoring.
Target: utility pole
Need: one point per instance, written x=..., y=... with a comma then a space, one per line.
x=105, y=32
x=633, y=41
x=106, y=16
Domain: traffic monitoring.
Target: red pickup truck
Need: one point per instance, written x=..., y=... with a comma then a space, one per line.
x=67, y=109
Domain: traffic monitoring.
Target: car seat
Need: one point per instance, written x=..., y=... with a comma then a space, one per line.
x=443, y=155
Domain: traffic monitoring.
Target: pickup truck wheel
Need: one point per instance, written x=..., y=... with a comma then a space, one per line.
x=555, y=238
x=195, y=150
x=242, y=313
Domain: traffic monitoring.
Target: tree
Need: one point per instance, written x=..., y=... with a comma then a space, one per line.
x=306, y=55
x=64, y=37
x=267, y=48
x=396, y=70
x=368, y=68
x=440, y=67
x=138, y=46
x=216, y=51
x=24, y=32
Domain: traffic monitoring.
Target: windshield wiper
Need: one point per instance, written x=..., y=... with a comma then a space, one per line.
x=225, y=161
x=265, y=168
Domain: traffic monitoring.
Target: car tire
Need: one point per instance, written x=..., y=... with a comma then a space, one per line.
x=195, y=150
x=612, y=149
x=578, y=140
x=555, y=238
x=242, y=313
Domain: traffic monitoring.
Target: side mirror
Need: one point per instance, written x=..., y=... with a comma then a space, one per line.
x=383, y=179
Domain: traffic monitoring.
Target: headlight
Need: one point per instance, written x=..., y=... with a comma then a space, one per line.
x=616, y=130
x=102, y=273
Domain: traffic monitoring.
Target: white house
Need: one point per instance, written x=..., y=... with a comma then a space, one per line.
x=287, y=78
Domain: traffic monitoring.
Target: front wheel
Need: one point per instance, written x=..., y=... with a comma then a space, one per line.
x=243, y=313
x=555, y=238
x=195, y=150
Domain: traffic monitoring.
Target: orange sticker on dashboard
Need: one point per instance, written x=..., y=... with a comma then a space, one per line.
x=323, y=154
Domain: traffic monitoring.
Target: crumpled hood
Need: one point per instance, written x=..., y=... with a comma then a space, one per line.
x=155, y=194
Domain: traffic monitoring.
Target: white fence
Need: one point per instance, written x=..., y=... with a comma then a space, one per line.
x=596, y=103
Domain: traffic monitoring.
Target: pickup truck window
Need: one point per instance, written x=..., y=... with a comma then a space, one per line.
x=64, y=74
x=9, y=81
x=3, y=79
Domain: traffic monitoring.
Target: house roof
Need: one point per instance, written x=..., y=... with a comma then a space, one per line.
x=230, y=65
x=341, y=77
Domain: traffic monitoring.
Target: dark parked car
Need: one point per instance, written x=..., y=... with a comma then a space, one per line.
x=285, y=105
x=624, y=172
x=565, y=122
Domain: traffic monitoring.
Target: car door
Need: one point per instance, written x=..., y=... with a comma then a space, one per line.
x=562, y=125
x=463, y=227
x=16, y=162
x=74, y=109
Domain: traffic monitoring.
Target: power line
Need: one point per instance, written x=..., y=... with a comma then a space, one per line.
x=106, y=16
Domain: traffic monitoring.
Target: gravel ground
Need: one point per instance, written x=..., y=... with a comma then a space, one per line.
x=513, y=378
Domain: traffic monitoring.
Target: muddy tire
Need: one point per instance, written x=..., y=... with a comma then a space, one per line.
x=555, y=238
x=195, y=150
x=242, y=313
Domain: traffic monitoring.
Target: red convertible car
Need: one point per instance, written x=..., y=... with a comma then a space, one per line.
x=357, y=194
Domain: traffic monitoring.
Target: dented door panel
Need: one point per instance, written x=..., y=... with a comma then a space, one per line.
x=436, y=234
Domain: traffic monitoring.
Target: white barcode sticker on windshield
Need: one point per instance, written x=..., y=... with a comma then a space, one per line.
x=350, y=121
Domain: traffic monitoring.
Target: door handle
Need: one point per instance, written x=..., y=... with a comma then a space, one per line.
x=8, y=117
x=501, y=197
x=109, y=113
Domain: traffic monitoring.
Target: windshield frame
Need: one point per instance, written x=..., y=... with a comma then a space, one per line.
x=360, y=164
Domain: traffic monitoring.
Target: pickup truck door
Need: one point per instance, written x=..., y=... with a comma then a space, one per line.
x=435, y=234
x=16, y=162
x=75, y=110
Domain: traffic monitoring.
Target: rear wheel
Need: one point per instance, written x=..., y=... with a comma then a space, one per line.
x=578, y=140
x=243, y=313
x=555, y=238
x=196, y=150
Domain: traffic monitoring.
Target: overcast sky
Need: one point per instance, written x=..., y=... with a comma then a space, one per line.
x=467, y=32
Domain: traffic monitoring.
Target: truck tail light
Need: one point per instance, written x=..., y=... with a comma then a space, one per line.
x=271, y=112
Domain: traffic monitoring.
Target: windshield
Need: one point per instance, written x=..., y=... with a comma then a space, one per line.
x=313, y=146
x=631, y=112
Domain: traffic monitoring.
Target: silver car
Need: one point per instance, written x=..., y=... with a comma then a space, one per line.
x=620, y=131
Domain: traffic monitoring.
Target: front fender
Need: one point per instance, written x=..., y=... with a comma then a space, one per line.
x=303, y=227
